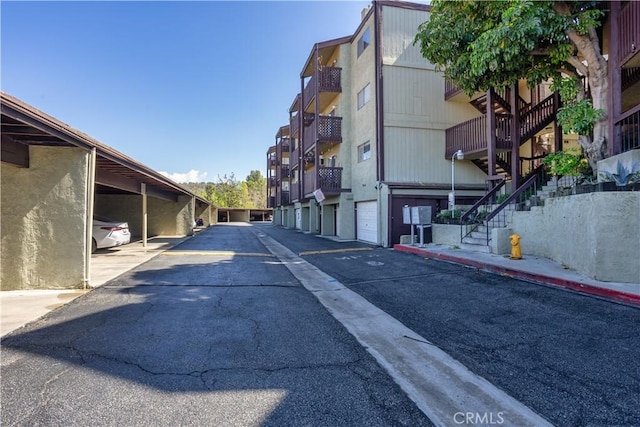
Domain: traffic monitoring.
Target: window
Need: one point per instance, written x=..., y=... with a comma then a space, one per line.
x=364, y=96
x=363, y=42
x=364, y=152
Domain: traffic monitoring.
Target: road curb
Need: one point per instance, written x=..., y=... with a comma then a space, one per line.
x=584, y=288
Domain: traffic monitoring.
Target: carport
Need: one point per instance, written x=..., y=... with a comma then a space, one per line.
x=54, y=179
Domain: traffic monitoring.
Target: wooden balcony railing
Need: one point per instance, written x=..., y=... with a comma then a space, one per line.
x=537, y=117
x=284, y=146
x=271, y=181
x=294, y=158
x=629, y=31
x=329, y=181
x=450, y=89
x=294, y=192
x=294, y=125
x=284, y=172
x=325, y=129
x=329, y=80
x=471, y=136
x=271, y=202
x=627, y=129
x=282, y=198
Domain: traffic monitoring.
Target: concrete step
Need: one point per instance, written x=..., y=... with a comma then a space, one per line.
x=475, y=248
x=475, y=241
x=479, y=235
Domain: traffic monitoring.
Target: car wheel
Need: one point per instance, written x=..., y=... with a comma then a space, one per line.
x=94, y=245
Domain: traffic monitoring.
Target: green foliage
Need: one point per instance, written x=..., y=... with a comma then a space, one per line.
x=257, y=189
x=624, y=176
x=502, y=197
x=484, y=44
x=495, y=43
x=227, y=192
x=579, y=117
x=566, y=163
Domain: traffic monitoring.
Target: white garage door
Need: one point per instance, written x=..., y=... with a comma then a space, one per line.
x=367, y=220
x=298, y=219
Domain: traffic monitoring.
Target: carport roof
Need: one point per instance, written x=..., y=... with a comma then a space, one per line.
x=25, y=125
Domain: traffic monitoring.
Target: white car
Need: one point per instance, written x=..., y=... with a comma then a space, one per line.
x=108, y=233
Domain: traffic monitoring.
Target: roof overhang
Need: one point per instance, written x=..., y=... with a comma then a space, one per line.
x=23, y=125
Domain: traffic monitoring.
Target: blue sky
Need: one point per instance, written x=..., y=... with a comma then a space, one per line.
x=196, y=88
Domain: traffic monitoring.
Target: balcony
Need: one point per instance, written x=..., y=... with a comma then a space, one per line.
x=629, y=30
x=282, y=199
x=294, y=158
x=271, y=202
x=271, y=181
x=294, y=192
x=327, y=129
x=627, y=129
x=471, y=136
x=329, y=81
x=283, y=172
x=329, y=181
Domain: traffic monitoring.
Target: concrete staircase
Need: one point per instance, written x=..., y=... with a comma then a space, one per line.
x=477, y=240
x=553, y=185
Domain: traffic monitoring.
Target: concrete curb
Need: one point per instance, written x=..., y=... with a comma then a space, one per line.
x=584, y=288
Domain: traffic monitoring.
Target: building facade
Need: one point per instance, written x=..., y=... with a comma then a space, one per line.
x=375, y=127
x=366, y=134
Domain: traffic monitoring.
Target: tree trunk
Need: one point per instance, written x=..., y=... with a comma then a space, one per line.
x=588, y=46
x=595, y=147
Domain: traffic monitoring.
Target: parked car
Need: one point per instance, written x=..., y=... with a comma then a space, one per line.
x=108, y=233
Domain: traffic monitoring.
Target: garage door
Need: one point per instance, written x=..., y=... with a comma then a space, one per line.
x=298, y=219
x=367, y=221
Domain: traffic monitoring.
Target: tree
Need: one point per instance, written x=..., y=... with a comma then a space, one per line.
x=257, y=189
x=229, y=193
x=484, y=44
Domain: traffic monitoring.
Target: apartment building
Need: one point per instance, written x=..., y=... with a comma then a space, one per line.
x=367, y=134
x=375, y=127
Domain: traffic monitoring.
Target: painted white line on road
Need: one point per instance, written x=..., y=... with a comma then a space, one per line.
x=443, y=388
x=214, y=253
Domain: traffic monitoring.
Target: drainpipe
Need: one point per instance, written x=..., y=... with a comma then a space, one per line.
x=91, y=190
x=143, y=191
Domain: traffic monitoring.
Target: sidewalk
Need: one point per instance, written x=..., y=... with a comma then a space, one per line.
x=530, y=268
x=17, y=308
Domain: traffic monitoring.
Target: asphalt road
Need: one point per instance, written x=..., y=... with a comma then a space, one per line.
x=573, y=359
x=218, y=331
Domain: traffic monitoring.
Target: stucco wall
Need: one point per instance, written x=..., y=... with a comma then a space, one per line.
x=167, y=218
x=43, y=220
x=121, y=207
x=596, y=234
x=445, y=234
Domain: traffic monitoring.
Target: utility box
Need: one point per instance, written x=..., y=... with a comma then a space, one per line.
x=421, y=215
x=406, y=214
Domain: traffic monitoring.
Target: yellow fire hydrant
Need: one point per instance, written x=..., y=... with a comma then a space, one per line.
x=516, y=251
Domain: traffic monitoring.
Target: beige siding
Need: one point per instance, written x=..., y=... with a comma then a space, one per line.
x=415, y=98
x=399, y=28
x=363, y=175
x=417, y=155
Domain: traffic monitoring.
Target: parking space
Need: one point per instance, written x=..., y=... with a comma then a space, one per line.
x=17, y=308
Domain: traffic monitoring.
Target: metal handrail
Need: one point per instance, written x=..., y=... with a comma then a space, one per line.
x=484, y=201
x=528, y=188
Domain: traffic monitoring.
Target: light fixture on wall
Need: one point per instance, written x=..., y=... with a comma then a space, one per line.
x=452, y=196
